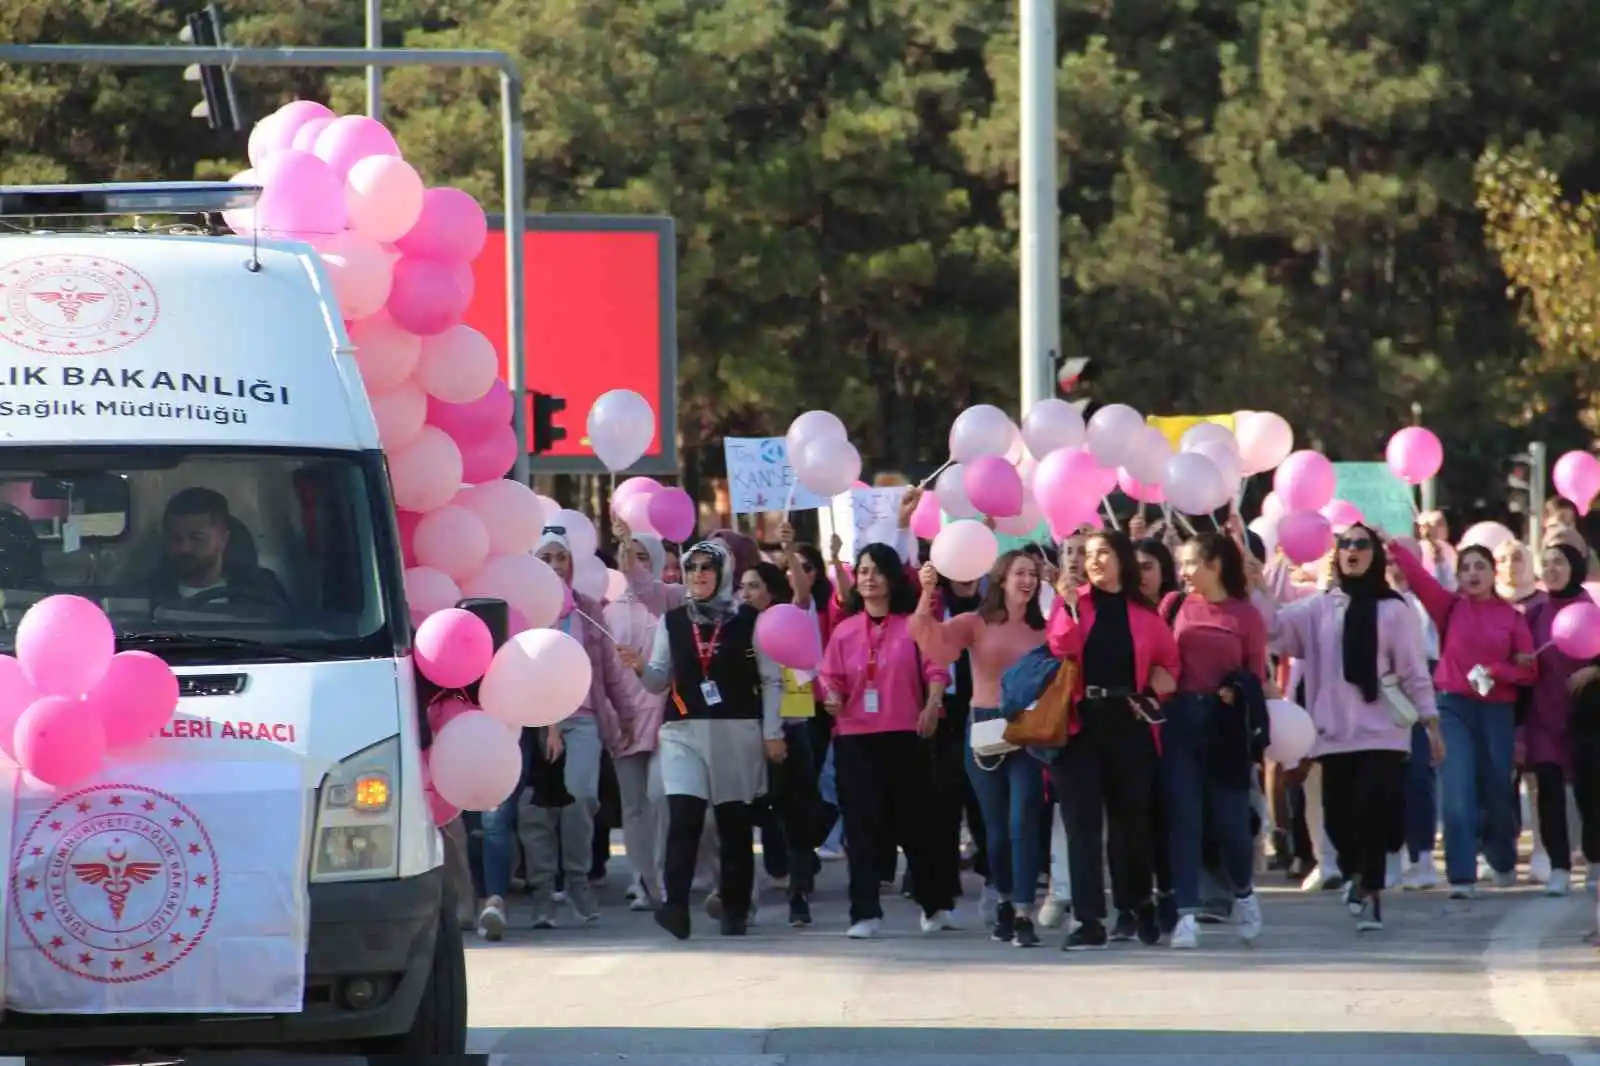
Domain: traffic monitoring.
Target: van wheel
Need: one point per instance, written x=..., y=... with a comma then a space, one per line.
x=440, y=1024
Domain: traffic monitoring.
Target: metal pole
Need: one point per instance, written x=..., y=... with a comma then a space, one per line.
x=1538, y=471
x=1041, y=211
x=375, y=73
x=179, y=55
x=1430, y=487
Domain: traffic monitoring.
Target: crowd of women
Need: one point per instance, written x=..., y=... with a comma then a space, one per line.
x=1427, y=671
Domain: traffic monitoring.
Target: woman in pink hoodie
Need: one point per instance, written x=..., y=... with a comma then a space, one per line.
x=1364, y=662
x=1485, y=653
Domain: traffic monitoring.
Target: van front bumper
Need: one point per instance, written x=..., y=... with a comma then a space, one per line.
x=368, y=959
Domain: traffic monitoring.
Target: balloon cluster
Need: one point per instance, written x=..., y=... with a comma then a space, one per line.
x=399, y=257
x=69, y=698
x=647, y=506
x=821, y=455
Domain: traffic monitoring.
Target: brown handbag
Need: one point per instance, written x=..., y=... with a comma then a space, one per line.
x=1050, y=722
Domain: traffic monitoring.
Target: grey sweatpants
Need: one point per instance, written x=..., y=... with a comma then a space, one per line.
x=573, y=825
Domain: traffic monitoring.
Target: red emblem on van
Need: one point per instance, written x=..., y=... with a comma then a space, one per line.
x=74, y=304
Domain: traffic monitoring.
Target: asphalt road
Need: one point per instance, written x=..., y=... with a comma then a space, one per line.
x=1509, y=979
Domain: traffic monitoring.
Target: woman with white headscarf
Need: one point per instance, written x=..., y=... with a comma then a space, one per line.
x=644, y=808
x=722, y=724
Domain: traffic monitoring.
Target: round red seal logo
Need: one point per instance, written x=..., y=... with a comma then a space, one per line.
x=74, y=304
x=115, y=883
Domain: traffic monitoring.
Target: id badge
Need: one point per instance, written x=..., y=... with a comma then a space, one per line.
x=870, y=701
x=709, y=693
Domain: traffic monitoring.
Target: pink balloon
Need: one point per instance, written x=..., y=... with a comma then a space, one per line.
x=135, y=699
x=635, y=513
x=444, y=710
x=1304, y=536
x=1067, y=486
x=926, y=520
x=1488, y=534
x=453, y=648
x=400, y=413
x=452, y=540
x=65, y=644
x=489, y=457
x=305, y=138
x=383, y=196
x=452, y=228
x=1305, y=481
x=1577, y=479
x=458, y=366
x=1025, y=521
x=525, y=582
x=635, y=486
x=16, y=695
x=510, y=511
x=465, y=279
x=359, y=271
x=427, y=591
x=1272, y=507
x=440, y=809
x=475, y=762
x=407, y=521
x=1341, y=514
x=1135, y=489
x=277, y=131
x=789, y=637
x=476, y=420
x=993, y=485
x=385, y=353
x=350, y=139
x=425, y=298
x=555, y=663
x=1265, y=440
x=426, y=473
x=1576, y=630
x=1414, y=454
x=672, y=514
x=301, y=198
x=964, y=550
x=60, y=741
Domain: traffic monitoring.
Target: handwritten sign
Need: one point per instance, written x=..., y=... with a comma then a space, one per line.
x=1383, y=499
x=864, y=516
x=760, y=477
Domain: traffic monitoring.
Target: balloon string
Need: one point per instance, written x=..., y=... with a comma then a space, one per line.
x=581, y=613
x=788, y=501
x=925, y=482
x=1183, y=520
x=1111, y=516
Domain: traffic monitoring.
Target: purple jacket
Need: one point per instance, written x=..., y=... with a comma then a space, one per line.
x=1544, y=731
x=617, y=700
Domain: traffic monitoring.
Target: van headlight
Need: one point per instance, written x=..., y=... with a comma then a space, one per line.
x=358, y=817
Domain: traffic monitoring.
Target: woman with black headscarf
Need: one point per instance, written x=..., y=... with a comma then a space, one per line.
x=1364, y=666
x=720, y=727
x=1545, y=736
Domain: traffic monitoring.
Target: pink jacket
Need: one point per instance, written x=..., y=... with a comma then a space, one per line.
x=1153, y=643
x=633, y=626
x=616, y=698
x=1471, y=633
x=902, y=689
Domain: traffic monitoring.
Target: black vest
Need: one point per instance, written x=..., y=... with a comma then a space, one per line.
x=733, y=667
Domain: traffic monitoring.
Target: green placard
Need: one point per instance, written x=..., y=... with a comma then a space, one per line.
x=1383, y=499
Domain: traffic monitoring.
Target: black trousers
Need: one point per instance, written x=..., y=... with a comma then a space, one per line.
x=686, y=821
x=886, y=791
x=1586, y=780
x=1552, y=814
x=947, y=752
x=1105, y=776
x=790, y=828
x=1364, y=803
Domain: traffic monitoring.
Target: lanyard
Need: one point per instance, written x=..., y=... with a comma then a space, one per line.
x=873, y=646
x=705, y=651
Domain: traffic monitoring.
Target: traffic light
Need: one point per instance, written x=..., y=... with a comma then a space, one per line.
x=220, y=108
x=1519, y=483
x=545, y=430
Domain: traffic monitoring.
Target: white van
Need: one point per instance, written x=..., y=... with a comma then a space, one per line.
x=185, y=439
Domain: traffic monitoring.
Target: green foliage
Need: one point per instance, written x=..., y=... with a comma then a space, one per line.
x=1265, y=203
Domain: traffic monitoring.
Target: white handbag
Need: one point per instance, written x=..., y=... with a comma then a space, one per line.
x=1401, y=709
x=989, y=739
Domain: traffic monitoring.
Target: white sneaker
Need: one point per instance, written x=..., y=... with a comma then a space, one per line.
x=1539, y=870
x=1558, y=883
x=492, y=919
x=988, y=905
x=1186, y=934
x=1247, y=913
x=1054, y=911
x=1313, y=881
x=1463, y=891
x=1505, y=880
x=1485, y=871
x=635, y=889
x=940, y=922
x=1421, y=875
x=1394, y=869
x=866, y=930
x=829, y=854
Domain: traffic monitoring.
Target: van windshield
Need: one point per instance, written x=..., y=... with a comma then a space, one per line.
x=203, y=554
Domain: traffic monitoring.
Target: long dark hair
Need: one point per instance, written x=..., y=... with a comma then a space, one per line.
x=776, y=580
x=1127, y=565
x=821, y=583
x=993, y=607
x=903, y=594
x=1159, y=552
x=1222, y=550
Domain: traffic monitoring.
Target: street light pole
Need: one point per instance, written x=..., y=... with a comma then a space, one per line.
x=375, y=74
x=1040, y=236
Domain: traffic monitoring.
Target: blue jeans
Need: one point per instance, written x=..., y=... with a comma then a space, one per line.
x=500, y=846
x=1476, y=776
x=1197, y=806
x=1422, y=796
x=1011, y=796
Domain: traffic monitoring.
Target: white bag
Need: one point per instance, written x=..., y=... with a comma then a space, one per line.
x=989, y=739
x=1401, y=709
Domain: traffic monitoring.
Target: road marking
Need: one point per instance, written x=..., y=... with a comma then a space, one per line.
x=1518, y=991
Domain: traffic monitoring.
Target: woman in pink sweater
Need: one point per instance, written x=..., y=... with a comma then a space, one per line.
x=1485, y=653
x=1010, y=791
x=885, y=699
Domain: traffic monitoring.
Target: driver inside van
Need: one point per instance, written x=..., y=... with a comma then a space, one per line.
x=199, y=567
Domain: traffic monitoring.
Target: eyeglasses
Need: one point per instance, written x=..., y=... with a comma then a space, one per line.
x=1354, y=544
x=699, y=568
x=559, y=531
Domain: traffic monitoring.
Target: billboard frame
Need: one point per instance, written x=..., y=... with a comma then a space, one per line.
x=666, y=232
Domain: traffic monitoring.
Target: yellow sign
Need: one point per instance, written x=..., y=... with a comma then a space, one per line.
x=1173, y=427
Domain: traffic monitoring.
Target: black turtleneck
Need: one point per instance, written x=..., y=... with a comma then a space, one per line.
x=1108, y=648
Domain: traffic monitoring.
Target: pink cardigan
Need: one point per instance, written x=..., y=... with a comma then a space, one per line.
x=618, y=701
x=1153, y=643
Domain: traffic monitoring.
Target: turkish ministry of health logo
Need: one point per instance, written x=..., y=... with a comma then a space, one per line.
x=74, y=304
x=115, y=883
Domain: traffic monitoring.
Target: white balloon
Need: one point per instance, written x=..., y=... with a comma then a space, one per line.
x=621, y=426
x=1052, y=424
x=1147, y=459
x=982, y=429
x=964, y=551
x=1205, y=433
x=1224, y=456
x=1194, y=485
x=828, y=466
x=1265, y=440
x=1292, y=730
x=1113, y=432
x=952, y=493
x=589, y=577
x=581, y=536
x=810, y=426
x=1266, y=528
x=475, y=761
x=537, y=678
x=1018, y=450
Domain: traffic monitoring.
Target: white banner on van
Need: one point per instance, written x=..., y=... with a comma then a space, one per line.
x=160, y=888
